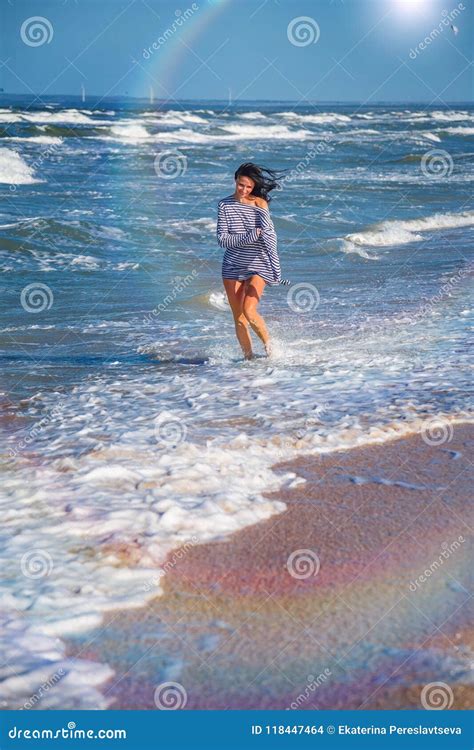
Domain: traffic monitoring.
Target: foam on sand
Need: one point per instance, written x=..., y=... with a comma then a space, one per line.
x=116, y=508
x=39, y=675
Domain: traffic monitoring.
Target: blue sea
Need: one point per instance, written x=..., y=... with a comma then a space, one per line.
x=130, y=420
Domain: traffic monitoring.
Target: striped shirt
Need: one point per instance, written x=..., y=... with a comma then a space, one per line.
x=246, y=253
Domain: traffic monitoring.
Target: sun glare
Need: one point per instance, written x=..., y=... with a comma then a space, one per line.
x=412, y=6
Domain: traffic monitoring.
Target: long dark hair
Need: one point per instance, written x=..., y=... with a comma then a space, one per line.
x=264, y=179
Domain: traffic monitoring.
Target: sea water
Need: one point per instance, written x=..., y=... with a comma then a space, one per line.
x=131, y=424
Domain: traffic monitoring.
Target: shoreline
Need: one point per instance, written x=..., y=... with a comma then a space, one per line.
x=236, y=629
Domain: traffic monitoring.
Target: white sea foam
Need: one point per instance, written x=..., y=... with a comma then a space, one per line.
x=349, y=247
x=10, y=117
x=114, y=232
x=21, y=222
x=317, y=119
x=129, y=133
x=85, y=261
x=45, y=262
x=175, y=117
x=218, y=300
x=459, y=130
x=364, y=131
x=38, y=675
x=401, y=232
x=362, y=135
x=231, y=132
x=451, y=116
x=72, y=116
x=200, y=226
x=252, y=116
x=163, y=500
x=265, y=131
x=44, y=139
x=125, y=265
x=430, y=136
x=14, y=169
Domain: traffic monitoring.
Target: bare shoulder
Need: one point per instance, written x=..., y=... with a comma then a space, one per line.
x=261, y=202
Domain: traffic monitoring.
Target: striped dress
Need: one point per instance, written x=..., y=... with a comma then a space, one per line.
x=246, y=253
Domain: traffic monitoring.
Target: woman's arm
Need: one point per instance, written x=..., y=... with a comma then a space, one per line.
x=232, y=239
x=268, y=234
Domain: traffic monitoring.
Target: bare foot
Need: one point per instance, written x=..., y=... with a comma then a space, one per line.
x=268, y=348
x=250, y=355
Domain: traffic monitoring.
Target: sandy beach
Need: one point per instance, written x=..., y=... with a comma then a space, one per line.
x=356, y=597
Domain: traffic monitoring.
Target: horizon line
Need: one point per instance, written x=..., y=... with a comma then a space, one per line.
x=90, y=97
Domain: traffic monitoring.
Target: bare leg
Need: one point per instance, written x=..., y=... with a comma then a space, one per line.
x=235, y=294
x=253, y=292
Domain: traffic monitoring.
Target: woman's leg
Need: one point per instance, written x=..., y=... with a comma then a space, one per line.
x=235, y=294
x=253, y=292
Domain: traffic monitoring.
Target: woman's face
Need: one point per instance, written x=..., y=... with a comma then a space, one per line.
x=244, y=186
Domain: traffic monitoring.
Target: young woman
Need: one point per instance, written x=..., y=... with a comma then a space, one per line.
x=246, y=231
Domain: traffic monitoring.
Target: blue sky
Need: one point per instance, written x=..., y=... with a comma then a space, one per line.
x=351, y=50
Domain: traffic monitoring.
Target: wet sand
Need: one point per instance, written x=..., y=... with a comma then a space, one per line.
x=323, y=606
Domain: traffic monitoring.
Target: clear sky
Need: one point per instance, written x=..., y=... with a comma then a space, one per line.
x=342, y=50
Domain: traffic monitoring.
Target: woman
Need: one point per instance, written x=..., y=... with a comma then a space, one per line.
x=246, y=231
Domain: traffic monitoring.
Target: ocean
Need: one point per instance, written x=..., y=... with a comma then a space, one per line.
x=131, y=424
